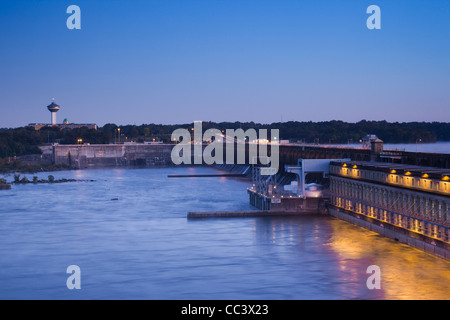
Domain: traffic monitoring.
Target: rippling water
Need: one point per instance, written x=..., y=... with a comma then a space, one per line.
x=141, y=246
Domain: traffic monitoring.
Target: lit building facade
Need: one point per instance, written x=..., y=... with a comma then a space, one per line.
x=413, y=198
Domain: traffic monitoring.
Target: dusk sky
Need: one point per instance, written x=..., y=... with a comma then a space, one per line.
x=173, y=61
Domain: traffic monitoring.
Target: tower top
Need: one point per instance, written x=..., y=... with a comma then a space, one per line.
x=53, y=107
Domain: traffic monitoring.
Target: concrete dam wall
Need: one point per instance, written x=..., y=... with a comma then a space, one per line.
x=113, y=155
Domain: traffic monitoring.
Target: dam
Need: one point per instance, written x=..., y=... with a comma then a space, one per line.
x=407, y=203
x=112, y=155
x=153, y=154
x=389, y=192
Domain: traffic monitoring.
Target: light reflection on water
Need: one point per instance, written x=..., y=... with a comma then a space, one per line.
x=141, y=246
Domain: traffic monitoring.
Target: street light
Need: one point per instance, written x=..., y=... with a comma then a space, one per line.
x=418, y=140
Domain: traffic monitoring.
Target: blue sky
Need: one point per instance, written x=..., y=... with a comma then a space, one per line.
x=173, y=61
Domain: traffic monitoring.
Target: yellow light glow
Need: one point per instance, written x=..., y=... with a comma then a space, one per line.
x=445, y=178
x=393, y=171
x=355, y=166
x=425, y=175
x=408, y=173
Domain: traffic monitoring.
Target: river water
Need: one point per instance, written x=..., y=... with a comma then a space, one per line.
x=128, y=233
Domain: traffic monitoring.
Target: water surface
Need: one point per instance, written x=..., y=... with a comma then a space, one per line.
x=128, y=233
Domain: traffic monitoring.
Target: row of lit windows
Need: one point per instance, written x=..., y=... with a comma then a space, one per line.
x=392, y=178
x=405, y=202
x=442, y=186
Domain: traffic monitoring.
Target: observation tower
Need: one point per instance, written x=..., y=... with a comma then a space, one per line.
x=53, y=108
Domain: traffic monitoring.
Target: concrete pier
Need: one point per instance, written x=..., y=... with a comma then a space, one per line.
x=275, y=204
x=243, y=214
x=205, y=175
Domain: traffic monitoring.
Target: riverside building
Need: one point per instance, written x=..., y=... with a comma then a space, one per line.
x=408, y=203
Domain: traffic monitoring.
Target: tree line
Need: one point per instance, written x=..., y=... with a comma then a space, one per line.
x=26, y=140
